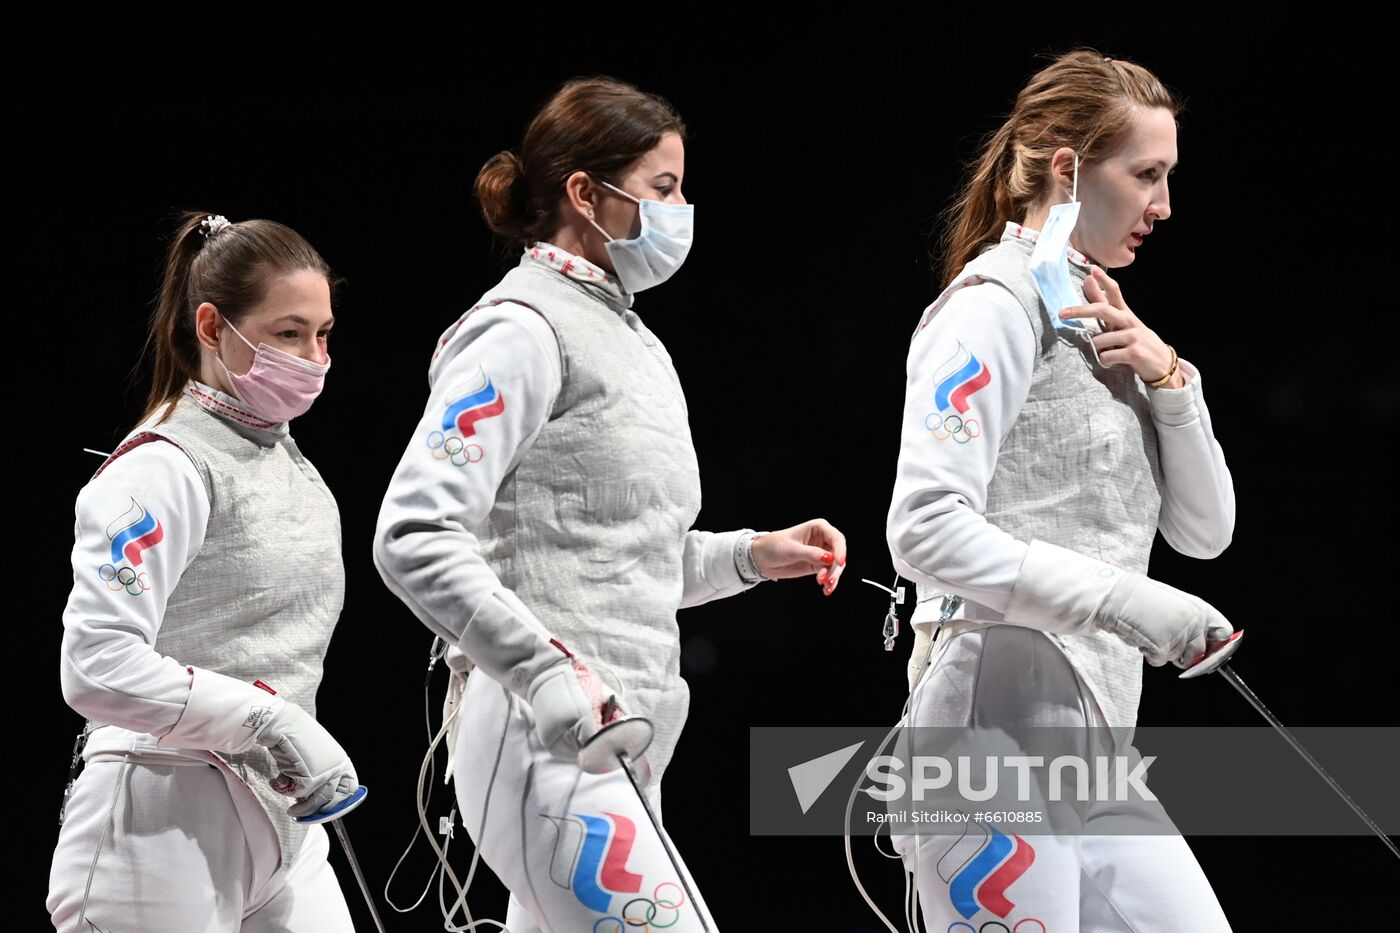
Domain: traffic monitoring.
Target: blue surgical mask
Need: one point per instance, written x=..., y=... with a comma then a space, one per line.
x=1049, y=266
x=652, y=256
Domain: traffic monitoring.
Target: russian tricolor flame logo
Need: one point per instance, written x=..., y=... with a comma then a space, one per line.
x=479, y=402
x=132, y=532
x=962, y=375
x=982, y=869
x=602, y=862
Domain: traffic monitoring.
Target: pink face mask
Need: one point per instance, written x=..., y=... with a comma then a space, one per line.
x=279, y=385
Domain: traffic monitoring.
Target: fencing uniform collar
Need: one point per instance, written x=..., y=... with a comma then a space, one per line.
x=1079, y=264
x=593, y=279
x=230, y=409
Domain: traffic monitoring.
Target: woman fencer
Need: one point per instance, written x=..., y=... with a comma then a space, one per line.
x=540, y=517
x=207, y=580
x=1048, y=434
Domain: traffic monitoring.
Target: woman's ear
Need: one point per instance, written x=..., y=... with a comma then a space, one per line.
x=1062, y=173
x=206, y=326
x=581, y=193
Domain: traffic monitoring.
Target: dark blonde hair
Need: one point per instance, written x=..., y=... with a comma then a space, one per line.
x=227, y=265
x=596, y=125
x=1082, y=100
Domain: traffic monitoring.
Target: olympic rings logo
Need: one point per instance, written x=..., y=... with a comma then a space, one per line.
x=117, y=579
x=996, y=926
x=454, y=449
x=671, y=902
x=954, y=426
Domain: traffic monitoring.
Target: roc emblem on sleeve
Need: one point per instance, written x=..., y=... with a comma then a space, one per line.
x=954, y=382
x=131, y=534
x=474, y=401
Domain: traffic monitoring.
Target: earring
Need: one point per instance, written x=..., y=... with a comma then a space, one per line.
x=590, y=212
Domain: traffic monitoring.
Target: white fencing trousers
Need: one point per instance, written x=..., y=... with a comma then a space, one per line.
x=576, y=850
x=182, y=855
x=1013, y=677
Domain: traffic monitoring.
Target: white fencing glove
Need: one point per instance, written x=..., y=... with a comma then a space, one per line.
x=506, y=642
x=230, y=716
x=1059, y=590
x=570, y=706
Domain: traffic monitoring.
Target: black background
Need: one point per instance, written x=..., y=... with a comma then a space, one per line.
x=821, y=151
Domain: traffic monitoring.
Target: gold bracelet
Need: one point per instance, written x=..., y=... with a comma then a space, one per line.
x=1170, y=372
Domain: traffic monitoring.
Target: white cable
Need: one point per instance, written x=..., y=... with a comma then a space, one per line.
x=909, y=705
x=432, y=758
x=485, y=808
x=949, y=608
x=442, y=880
x=846, y=834
x=447, y=723
x=461, y=890
x=911, y=894
x=427, y=830
x=909, y=916
x=423, y=800
x=111, y=815
x=876, y=839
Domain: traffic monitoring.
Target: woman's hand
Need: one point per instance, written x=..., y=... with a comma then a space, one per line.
x=813, y=547
x=1125, y=340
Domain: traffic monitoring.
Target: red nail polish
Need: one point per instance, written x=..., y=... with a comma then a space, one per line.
x=828, y=557
x=821, y=576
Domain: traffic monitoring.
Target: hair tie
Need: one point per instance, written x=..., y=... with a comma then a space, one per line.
x=211, y=225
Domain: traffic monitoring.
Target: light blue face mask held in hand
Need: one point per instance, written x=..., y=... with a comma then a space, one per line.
x=1049, y=266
